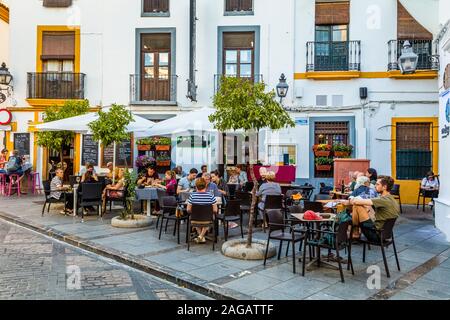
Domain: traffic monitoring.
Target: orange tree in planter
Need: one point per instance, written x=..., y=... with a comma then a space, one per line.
x=243, y=105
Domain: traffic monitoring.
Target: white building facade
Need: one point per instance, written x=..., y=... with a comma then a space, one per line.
x=442, y=210
x=339, y=58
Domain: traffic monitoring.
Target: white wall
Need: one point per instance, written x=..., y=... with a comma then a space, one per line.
x=443, y=203
x=108, y=43
x=4, y=41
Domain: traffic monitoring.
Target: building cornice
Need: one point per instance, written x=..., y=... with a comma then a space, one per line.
x=4, y=13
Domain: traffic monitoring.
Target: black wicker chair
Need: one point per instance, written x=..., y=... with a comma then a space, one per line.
x=49, y=200
x=232, y=212
x=201, y=216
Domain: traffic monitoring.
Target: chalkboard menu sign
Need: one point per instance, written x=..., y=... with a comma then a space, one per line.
x=124, y=154
x=22, y=143
x=90, y=150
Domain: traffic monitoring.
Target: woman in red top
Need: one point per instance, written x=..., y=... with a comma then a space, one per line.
x=170, y=183
x=3, y=160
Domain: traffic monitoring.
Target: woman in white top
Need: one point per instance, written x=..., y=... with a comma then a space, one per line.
x=430, y=181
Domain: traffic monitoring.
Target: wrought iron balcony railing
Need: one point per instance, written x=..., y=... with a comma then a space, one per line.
x=256, y=78
x=333, y=56
x=425, y=49
x=145, y=88
x=55, y=85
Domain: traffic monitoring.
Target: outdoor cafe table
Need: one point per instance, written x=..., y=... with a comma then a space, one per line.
x=148, y=194
x=299, y=216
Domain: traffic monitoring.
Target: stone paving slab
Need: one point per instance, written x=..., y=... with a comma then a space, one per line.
x=211, y=273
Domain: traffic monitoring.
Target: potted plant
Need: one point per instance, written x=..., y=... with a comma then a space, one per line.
x=342, y=151
x=127, y=218
x=163, y=160
x=143, y=162
x=144, y=144
x=322, y=150
x=162, y=144
x=323, y=163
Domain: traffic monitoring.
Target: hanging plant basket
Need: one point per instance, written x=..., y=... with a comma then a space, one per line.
x=322, y=153
x=144, y=147
x=162, y=147
x=323, y=167
x=341, y=154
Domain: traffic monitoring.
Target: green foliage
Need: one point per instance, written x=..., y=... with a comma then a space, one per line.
x=130, y=184
x=111, y=126
x=242, y=104
x=154, y=141
x=321, y=161
x=342, y=147
x=322, y=147
x=56, y=140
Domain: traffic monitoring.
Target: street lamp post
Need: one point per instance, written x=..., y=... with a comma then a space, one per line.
x=408, y=60
x=5, y=81
x=282, y=88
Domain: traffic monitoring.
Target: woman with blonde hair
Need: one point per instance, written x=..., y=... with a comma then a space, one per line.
x=115, y=190
x=270, y=187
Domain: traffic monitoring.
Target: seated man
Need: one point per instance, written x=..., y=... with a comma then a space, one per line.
x=268, y=188
x=187, y=184
x=201, y=197
x=386, y=207
x=57, y=190
x=14, y=165
x=211, y=187
x=364, y=189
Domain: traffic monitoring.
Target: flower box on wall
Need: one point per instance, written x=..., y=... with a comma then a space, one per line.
x=162, y=147
x=322, y=153
x=165, y=163
x=144, y=147
x=341, y=154
x=323, y=167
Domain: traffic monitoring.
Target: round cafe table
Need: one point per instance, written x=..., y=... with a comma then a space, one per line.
x=330, y=218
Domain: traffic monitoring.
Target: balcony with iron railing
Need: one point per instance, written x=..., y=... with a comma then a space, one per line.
x=55, y=85
x=146, y=89
x=256, y=78
x=333, y=56
x=426, y=50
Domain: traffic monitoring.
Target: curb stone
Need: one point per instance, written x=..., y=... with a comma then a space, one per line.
x=177, y=277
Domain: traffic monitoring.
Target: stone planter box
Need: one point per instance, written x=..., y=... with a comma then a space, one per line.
x=140, y=221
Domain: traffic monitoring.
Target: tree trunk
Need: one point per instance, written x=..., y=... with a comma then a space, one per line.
x=252, y=207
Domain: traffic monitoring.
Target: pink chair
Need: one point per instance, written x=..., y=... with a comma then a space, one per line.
x=2, y=183
x=14, y=184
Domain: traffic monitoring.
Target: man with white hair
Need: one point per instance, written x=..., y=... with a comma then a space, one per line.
x=57, y=190
x=363, y=189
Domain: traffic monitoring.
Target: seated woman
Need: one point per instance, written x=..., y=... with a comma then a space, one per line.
x=234, y=177
x=430, y=181
x=268, y=188
x=170, y=183
x=3, y=160
x=221, y=185
x=14, y=165
x=372, y=174
x=89, y=175
x=116, y=190
x=150, y=177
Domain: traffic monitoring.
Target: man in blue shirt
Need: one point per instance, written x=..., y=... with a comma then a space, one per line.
x=187, y=184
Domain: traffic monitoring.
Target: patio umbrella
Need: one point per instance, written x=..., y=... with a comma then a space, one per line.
x=79, y=124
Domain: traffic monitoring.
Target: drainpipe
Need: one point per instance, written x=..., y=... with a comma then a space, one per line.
x=192, y=87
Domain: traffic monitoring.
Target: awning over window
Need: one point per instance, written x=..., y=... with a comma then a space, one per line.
x=328, y=13
x=58, y=45
x=57, y=3
x=408, y=28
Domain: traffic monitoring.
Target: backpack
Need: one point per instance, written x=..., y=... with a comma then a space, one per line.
x=341, y=217
x=12, y=164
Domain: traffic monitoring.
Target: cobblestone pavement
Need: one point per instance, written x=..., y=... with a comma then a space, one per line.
x=36, y=267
